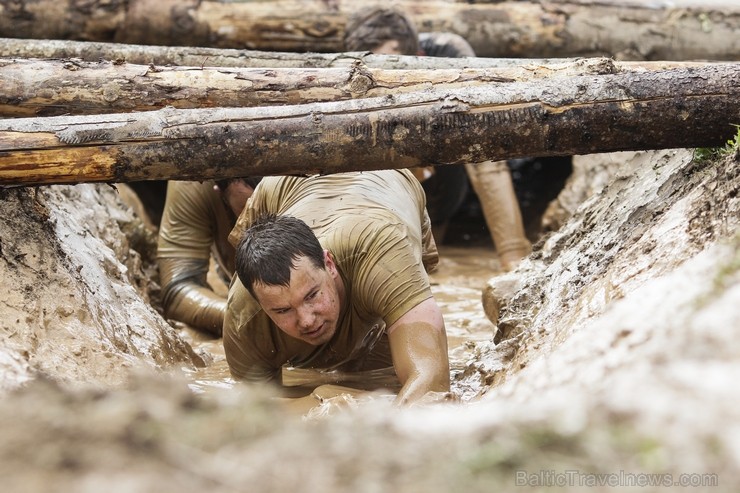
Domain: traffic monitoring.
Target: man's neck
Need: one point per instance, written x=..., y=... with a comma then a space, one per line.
x=341, y=290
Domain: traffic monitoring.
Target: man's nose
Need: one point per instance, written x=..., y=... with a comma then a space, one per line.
x=306, y=318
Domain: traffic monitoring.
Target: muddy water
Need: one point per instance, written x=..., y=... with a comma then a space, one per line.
x=457, y=285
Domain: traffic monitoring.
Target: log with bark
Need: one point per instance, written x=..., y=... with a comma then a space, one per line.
x=56, y=87
x=553, y=116
x=677, y=30
x=190, y=56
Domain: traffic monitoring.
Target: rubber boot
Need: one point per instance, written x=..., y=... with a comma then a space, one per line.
x=492, y=183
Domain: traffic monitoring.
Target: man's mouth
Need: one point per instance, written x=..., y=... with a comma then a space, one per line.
x=312, y=334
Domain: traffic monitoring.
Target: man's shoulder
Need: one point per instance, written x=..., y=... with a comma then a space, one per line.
x=357, y=231
x=243, y=311
x=193, y=196
x=203, y=188
x=190, y=219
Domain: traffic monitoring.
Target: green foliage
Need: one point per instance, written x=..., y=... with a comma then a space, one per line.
x=710, y=153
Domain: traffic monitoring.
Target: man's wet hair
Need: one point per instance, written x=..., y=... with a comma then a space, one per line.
x=270, y=247
x=370, y=27
x=252, y=181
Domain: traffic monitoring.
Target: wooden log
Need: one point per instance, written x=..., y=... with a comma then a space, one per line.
x=553, y=116
x=55, y=87
x=227, y=57
x=677, y=30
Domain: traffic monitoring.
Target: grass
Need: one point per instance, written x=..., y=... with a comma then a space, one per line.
x=709, y=153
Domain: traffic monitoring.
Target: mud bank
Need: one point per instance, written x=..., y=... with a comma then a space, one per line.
x=616, y=357
x=75, y=302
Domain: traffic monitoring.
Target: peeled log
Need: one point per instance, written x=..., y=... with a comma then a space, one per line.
x=678, y=30
x=56, y=87
x=191, y=56
x=228, y=57
x=555, y=116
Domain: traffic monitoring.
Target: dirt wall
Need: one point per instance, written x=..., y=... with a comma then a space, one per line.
x=75, y=304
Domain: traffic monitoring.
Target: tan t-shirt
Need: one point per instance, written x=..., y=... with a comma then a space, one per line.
x=376, y=226
x=196, y=223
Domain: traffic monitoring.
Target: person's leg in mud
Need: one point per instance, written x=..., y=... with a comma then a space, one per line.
x=494, y=187
x=445, y=190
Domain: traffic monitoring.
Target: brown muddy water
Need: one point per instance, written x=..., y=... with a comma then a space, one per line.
x=457, y=285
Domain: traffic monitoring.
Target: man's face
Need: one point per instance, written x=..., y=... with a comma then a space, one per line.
x=308, y=309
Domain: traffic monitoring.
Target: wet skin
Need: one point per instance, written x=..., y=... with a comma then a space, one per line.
x=309, y=308
x=418, y=343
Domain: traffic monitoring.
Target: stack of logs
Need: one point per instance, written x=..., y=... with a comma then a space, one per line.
x=221, y=111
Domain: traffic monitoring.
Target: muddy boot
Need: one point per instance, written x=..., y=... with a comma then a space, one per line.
x=492, y=183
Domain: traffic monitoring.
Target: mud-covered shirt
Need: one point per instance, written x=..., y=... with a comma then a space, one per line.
x=376, y=226
x=195, y=224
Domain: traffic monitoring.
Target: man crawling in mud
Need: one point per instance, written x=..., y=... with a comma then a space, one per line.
x=332, y=274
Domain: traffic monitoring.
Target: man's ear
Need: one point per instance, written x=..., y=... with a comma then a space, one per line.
x=329, y=263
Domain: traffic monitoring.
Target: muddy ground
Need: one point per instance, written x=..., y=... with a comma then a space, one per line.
x=612, y=366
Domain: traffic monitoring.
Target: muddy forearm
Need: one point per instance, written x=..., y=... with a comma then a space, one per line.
x=419, y=352
x=198, y=307
x=187, y=297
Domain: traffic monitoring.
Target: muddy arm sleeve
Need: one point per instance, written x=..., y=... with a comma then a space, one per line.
x=187, y=297
x=419, y=350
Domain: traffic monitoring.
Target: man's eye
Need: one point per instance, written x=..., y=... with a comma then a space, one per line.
x=312, y=295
